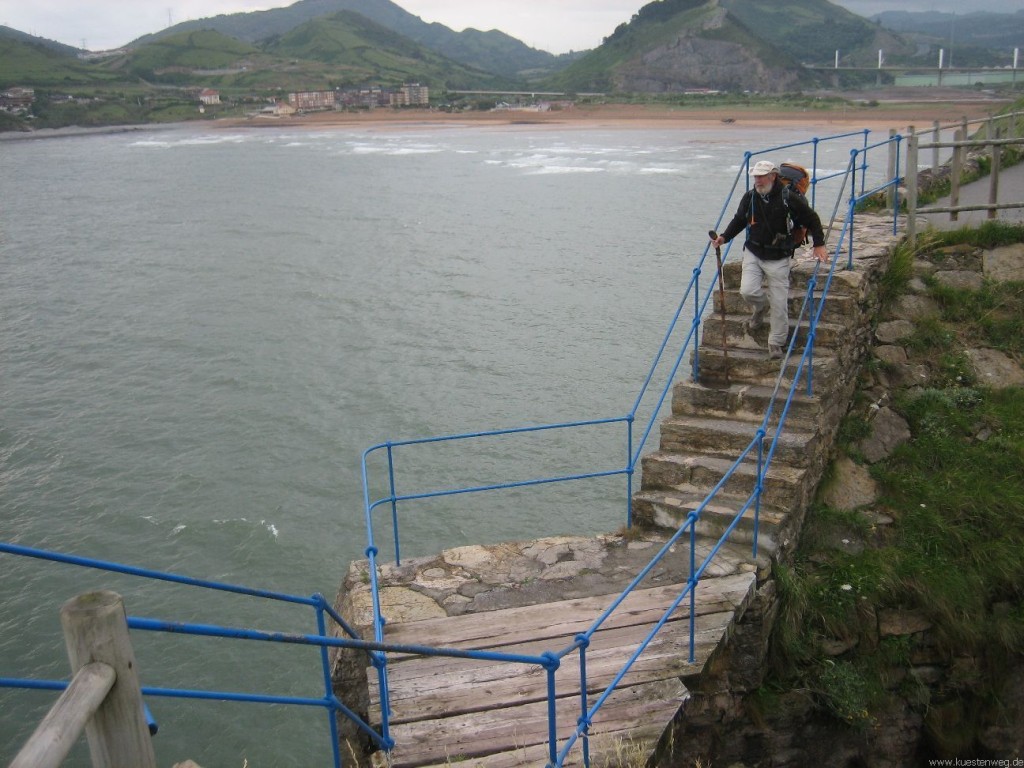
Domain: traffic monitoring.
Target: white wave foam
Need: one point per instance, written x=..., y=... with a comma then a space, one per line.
x=555, y=169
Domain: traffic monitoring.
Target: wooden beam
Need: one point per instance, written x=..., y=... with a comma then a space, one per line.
x=63, y=724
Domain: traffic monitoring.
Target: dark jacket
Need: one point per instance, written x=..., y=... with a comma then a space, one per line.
x=765, y=221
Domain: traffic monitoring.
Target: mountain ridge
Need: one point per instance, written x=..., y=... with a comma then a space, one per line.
x=492, y=51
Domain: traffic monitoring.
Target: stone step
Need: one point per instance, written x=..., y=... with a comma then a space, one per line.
x=728, y=437
x=850, y=283
x=747, y=402
x=669, y=509
x=752, y=366
x=783, y=487
x=827, y=335
x=839, y=309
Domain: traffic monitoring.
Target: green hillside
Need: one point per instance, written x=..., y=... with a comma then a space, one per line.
x=811, y=31
x=344, y=49
x=353, y=42
x=158, y=81
x=36, y=65
x=201, y=50
x=738, y=45
x=493, y=51
x=705, y=47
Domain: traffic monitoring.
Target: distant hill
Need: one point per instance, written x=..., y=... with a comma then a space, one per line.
x=353, y=41
x=29, y=61
x=342, y=49
x=187, y=52
x=670, y=46
x=980, y=36
x=9, y=33
x=491, y=51
x=813, y=30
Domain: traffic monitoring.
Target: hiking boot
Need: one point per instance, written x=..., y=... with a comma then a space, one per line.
x=756, y=319
x=774, y=352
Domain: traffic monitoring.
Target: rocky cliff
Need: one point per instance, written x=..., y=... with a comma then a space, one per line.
x=699, y=57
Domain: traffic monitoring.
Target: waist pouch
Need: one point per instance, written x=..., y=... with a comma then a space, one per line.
x=769, y=252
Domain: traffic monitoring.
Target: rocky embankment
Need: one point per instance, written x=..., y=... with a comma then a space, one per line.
x=794, y=731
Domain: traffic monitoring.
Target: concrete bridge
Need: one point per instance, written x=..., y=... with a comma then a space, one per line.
x=536, y=596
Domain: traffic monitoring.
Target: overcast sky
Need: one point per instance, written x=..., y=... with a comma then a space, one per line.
x=557, y=26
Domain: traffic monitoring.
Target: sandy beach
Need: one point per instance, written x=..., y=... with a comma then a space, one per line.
x=896, y=115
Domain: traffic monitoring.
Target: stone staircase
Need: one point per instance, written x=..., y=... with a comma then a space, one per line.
x=713, y=419
x=528, y=597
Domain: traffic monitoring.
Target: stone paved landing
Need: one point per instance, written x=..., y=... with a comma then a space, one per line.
x=529, y=598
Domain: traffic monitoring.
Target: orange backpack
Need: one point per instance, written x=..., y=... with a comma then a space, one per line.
x=794, y=179
x=795, y=176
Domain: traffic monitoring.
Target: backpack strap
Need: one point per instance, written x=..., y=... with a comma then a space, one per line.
x=798, y=235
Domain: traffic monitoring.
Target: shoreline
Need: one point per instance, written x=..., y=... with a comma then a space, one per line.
x=895, y=115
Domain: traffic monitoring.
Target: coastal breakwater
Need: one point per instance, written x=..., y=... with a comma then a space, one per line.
x=490, y=592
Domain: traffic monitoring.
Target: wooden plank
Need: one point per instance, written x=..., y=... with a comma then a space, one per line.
x=508, y=730
x=448, y=691
x=609, y=749
x=494, y=629
x=494, y=714
x=408, y=669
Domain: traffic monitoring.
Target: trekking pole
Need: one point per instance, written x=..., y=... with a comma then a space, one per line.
x=721, y=300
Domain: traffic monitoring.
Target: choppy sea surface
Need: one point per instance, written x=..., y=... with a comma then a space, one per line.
x=202, y=330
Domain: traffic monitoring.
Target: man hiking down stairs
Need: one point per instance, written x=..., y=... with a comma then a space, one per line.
x=770, y=214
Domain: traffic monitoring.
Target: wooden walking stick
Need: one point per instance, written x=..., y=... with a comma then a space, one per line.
x=721, y=300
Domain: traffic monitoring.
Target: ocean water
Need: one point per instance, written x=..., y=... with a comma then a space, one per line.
x=201, y=330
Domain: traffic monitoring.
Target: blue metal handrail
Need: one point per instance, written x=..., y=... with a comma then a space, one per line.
x=858, y=160
x=689, y=525
x=378, y=650
x=316, y=601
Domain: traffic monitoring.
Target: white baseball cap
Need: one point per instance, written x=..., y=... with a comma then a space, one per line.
x=763, y=168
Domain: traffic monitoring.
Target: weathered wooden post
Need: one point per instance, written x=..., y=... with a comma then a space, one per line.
x=936, y=138
x=891, y=168
x=993, y=177
x=911, y=178
x=954, y=172
x=95, y=630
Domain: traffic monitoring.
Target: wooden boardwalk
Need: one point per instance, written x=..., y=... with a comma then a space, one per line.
x=494, y=714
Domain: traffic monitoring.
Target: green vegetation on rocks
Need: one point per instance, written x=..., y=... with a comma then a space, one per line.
x=941, y=553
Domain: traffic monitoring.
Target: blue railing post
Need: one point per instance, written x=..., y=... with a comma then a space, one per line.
x=695, y=325
x=853, y=202
x=394, y=500
x=584, y=723
x=551, y=664
x=864, y=169
x=692, y=517
x=812, y=332
x=332, y=717
x=630, y=468
x=814, y=170
x=758, y=485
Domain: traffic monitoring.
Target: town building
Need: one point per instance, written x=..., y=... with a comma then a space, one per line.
x=17, y=99
x=312, y=101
